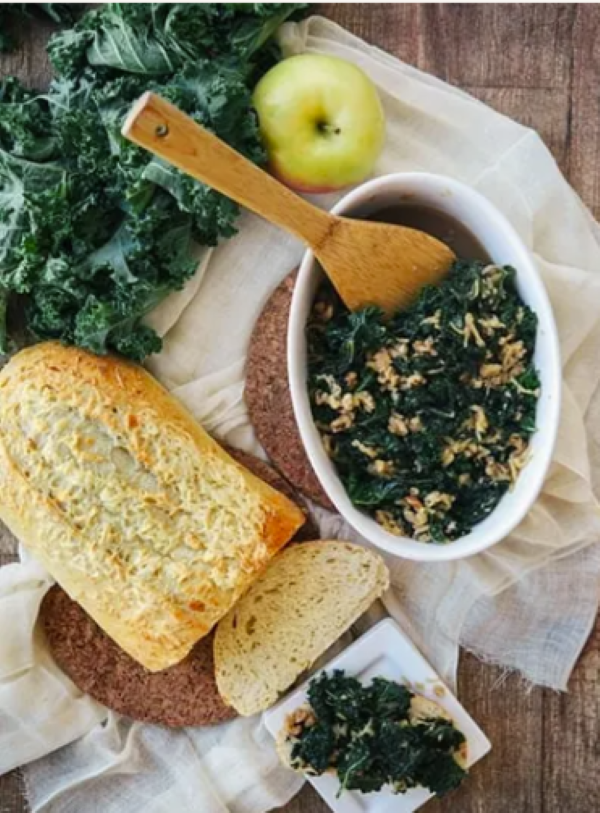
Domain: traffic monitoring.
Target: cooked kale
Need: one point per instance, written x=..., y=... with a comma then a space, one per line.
x=427, y=416
x=371, y=739
x=94, y=231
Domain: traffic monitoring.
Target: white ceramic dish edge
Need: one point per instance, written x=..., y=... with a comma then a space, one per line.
x=504, y=246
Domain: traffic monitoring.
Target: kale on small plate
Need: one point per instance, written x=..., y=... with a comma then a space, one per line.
x=428, y=416
x=373, y=736
x=95, y=232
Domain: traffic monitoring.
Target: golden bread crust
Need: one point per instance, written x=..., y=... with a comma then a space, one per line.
x=139, y=515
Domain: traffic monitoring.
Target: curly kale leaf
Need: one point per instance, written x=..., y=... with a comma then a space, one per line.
x=25, y=125
x=94, y=231
x=315, y=748
x=389, y=700
x=370, y=737
x=336, y=697
x=158, y=38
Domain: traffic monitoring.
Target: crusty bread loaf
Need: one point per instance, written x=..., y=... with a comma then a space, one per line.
x=137, y=513
x=308, y=596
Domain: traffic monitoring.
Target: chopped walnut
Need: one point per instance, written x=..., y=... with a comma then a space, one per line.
x=298, y=720
x=323, y=310
x=365, y=401
x=412, y=381
x=424, y=347
x=490, y=370
x=369, y=451
x=342, y=423
x=434, y=321
x=439, y=499
x=497, y=471
x=347, y=403
x=388, y=523
x=415, y=424
x=382, y=468
x=417, y=518
x=327, y=441
x=397, y=425
x=400, y=349
x=448, y=456
x=387, y=375
x=518, y=460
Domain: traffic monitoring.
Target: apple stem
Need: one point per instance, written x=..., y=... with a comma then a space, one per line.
x=327, y=129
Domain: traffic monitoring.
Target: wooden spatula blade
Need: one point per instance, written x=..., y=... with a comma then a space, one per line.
x=381, y=264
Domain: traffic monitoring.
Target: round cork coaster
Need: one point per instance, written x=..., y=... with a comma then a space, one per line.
x=268, y=397
x=182, y=695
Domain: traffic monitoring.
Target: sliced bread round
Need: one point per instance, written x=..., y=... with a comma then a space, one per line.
x=309, y=595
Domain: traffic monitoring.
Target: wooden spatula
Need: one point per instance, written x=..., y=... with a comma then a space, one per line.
x=369, y=263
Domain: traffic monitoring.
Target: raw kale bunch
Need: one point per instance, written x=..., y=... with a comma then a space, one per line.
x=95, y=232
x=369, y=736
x=427, y=416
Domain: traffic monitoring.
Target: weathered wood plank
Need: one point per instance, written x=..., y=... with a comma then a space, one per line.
x=572, y=740
x=12, y=793
x=307, y=801
x=29, y=62
x=501, y=707
x=8, y=543
x=498, y=45
x=584, y=136
x=394, y=27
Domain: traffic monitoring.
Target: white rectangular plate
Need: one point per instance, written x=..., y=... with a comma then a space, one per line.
x=386, y=651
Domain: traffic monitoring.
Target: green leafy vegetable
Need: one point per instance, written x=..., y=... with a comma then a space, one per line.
x=372, y=737
x=95, y=232
x=428, y=416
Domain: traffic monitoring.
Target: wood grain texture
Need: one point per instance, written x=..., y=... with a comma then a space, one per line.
x=539, y=64
x=12, y=793
x=496, y=46
x=583, y=137
x=571, y=738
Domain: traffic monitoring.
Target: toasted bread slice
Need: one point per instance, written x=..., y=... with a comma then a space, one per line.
x=309, y=595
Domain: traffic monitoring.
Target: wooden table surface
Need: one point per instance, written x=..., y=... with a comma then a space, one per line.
x=539, y=64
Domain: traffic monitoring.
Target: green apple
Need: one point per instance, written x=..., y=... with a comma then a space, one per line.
x=321, y=121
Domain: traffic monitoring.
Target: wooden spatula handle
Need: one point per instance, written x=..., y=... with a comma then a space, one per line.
x=161, y=128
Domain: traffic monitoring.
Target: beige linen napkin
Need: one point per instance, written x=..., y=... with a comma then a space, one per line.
x=527, y=604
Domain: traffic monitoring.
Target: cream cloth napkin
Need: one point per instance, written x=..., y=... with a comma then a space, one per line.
x=529, y=604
